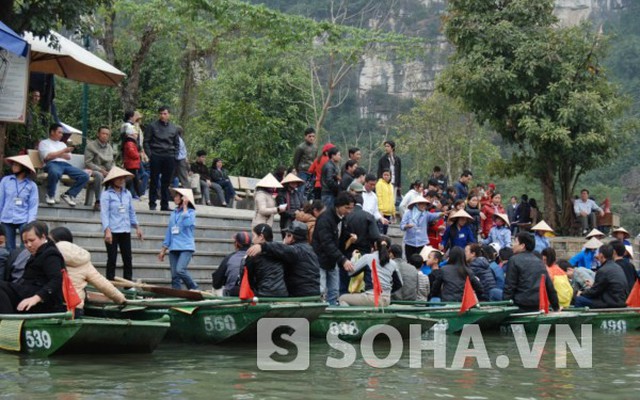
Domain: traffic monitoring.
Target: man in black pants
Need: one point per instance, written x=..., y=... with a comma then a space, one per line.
x=161, y=144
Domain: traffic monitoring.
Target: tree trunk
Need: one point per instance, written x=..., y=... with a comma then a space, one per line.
x=130, y=90
x=547, y=182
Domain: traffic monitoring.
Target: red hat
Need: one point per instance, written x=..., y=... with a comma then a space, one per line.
x=492, y=186
x=327, y=147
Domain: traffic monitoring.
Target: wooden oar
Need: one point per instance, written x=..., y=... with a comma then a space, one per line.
x=185, y=294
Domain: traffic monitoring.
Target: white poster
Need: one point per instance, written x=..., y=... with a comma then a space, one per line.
x=14, y=81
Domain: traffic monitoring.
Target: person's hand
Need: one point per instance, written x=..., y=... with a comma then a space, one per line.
x=348, y=266
x=254, y=250
x=282, y=207
x=482, y=216
x=185, y=205
x=384, y=221
x=588, y=283
x=66, y=156
x=69, y=149
x=139, y=233
x=583, y=214
x=162, y=254
x=26, y=304
x=104, y=172
x=602, y=213
x=108, y=237
x=409, y=226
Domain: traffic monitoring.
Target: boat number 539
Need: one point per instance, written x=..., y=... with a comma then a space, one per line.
x=38, y=339
x=219, y=323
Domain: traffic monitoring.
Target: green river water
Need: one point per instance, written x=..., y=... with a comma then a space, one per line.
x=179, y=371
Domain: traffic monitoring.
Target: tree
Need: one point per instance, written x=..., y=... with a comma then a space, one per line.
x=438, y=132
x=541, y=87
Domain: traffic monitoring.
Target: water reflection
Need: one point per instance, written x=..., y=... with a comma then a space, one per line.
x=175, y=371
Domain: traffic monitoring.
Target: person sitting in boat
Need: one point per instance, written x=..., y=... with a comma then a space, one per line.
x=266, y=274
x=559, y=278
x=619, y=253
x=81, y=271
x=227, y=275
x=388, y=275
x=412, y=279
x=578, y=277
x=522, y=282
x=301, y=266
x=479, y=264
x=610, y=288
x=491, y=254
x=40, y=288
x=430, y=259
x=458, y=233
x=586, y=258
x=500, y=232
x=449, y=286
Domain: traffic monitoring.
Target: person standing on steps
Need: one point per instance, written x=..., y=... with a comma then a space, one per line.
x=118, y=217
x=161, y=145
x=18, y=198
x=391, y=162
x=303, y=157
x=179, y=240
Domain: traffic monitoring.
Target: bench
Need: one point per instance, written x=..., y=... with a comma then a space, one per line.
x=77, y=160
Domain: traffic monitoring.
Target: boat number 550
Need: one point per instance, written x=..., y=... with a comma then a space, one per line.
x=219, y=323
x=37, y=339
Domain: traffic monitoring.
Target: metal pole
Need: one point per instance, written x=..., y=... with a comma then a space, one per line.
x=85, y=101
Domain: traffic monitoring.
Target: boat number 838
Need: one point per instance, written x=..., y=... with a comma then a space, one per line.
x=37, y=339
x=219, y=323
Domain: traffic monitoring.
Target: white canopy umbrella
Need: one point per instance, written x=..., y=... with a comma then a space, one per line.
x=71, y=61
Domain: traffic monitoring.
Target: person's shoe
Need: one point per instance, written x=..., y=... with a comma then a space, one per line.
x=208, y=203
x=238, y=198
x=96, y=206
x=49, y=200
x=224, y=204
x=70, y=200
x=165, y=209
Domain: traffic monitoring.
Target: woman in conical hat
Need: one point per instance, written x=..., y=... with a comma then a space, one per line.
x=458, y=233
x=595, y=234
x=118, y=217
x=622, y=235
x=292, y=198
x=264, y=202
x=415, y=222
x=586, y=257
x=179, y=240
x=18, y=198
x=500, y=233
x=541, y=241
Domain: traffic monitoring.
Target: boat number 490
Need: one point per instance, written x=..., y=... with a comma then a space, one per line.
x=219, y=323
x=37, y=339
x=614, y=325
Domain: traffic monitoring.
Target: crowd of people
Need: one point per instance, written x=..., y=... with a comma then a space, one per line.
x=334, y=219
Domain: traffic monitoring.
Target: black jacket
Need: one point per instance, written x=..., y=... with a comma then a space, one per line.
x=161, y=139
x=385, y=163
x=229, y=272
x=449, y=285
x=364, y=226
x=481, y=269
x=266, y=276
x=294, y=200
x=330, y=178
x=629, y=271
x=302, y=271
x=325, y=240
x=610, y=288
x=43, y=276
x=522, y=282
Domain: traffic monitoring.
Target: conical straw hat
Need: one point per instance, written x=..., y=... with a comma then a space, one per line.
x=503, y=217
x=593, y=244
x=188, y=193
x=23, y=160
x=594, y=232
x=115, y=173
x=418, y=199
x=461, y=214
x=426, y=250
x=621, y=229
x=291, y=178
x=542, y=226
x=269, y=181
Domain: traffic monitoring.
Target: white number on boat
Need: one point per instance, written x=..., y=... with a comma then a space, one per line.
x=37, y=339
x=614, y=325
x=344, y=328
x=219, y=323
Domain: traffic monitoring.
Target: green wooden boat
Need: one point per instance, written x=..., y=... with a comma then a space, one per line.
x=48, y=334
x=531, y=321
x=350, y=323
x=614, y=319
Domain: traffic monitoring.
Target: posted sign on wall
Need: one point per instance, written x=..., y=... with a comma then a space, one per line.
x=14, y=80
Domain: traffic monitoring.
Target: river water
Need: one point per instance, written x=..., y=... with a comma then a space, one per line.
x=180, y=371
